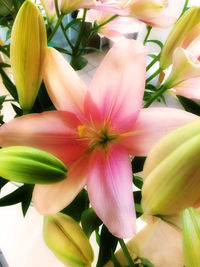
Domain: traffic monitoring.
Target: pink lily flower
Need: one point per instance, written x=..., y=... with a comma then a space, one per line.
x=185, y=75
x=94, y=131
x=151, y=12
x=117, y=28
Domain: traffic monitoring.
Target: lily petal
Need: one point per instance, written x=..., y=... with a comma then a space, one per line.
x=189, y=88
x=64, y=86
x=162, y=21
x=110, y=190
x=152, y=124
x=118, y=85
x=52, y=131
x=49, y=199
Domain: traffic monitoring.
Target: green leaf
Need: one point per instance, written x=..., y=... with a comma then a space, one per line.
x=2, y=182
x=159, y=43
x=108, y=244
x=152, y=56
x=16, y=196
x=137, y=199
x=137, y=164
x=146, y=262
x=9, y=85
x=90, y=221
x=115, y=261
x=62, y=50
x=27, y=200
x=138, y=181
x=2, y=99
x=17, y=110
x=189, y=105
x=73, y=22
x=78, y=63
x=4, y=65
x=77, y=207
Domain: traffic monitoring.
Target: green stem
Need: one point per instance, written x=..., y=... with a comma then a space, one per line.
x=158, y=93
x=78, y=41
x=152, y=62
x=184, y=8
x=147, y=34
x=126, y=253
x=6, y=6
x=153, y=75
x=61, y=24
x=55, y=28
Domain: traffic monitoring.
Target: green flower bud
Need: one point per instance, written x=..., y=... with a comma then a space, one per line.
x=176, y=36
x=172, y=172
x=28, y=40
x=30, y=165
x=67, y=240
x=191, y=237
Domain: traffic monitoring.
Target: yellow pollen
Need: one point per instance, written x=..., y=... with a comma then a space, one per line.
x=82, y=130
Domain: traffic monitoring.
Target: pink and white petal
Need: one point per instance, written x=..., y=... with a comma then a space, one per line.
x=153, y=124
x=64, y=86
x=118, y=85
x=189, y=88
x=52, y=131
x=49, y=199
x=125, y=25
x=109, y=187
x=162, y=21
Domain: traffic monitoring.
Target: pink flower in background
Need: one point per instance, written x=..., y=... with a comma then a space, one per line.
x=117, y=28
x=185, y=74
x=94, y=131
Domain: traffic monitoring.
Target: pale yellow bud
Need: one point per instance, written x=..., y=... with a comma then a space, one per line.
x=28, y=40
x=172, y=172
x=67, y=240
x=191, y=237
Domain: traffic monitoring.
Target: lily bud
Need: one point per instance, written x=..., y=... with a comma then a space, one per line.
x=176, y=36
x=67, y=6
x=28, y=40
x=30, y=165
x=191, y=237
x=172, y=172
x=67, y=240
x=50, y=10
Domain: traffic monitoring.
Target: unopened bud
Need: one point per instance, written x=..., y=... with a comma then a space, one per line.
x=28, y=40
x=30, y=165
x=172, y=172
x=67, y=240
x=176, y=36
x=191, y=237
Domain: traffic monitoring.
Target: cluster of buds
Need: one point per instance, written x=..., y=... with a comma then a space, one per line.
x=172, y=172
x=67, y=240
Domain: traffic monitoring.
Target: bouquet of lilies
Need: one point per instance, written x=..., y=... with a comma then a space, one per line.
x=93, y=159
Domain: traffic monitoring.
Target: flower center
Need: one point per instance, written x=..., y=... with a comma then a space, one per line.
x=96, y=137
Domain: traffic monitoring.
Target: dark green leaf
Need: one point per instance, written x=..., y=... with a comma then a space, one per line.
x=114, y=260
x=73, y=22
x=146, y=262
x=62, y=50
x=17, y=110
x=189, y=105
x=152, y=56
x=4, y=65
x=90, y=221
x=108, y=244
x=92, y=48
x=78, y=63
x=27, y=200
x=97, y=236
x=77, y=207
x=2, y=182
x=138, y=181
x=9, y=85
x=16, y=196
x=137, y=164
x=137, y=199
x=5, y=50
